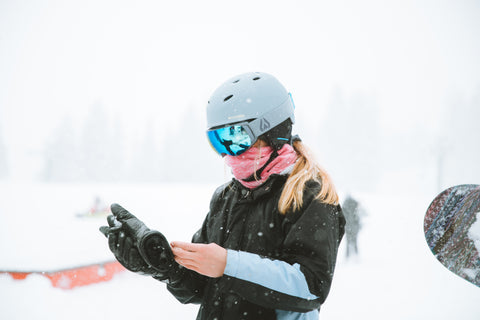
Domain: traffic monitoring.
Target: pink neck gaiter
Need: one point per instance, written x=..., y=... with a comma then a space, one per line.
x=244, y=165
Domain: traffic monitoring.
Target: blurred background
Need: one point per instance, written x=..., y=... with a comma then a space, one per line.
x=104, y=101
x=387, y=93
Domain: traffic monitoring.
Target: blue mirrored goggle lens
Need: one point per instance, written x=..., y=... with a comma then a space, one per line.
x=233, y=140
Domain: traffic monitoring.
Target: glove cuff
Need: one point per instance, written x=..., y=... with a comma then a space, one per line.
x=155, y=250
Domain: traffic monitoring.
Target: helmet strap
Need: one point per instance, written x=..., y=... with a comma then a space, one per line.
x=258, y=173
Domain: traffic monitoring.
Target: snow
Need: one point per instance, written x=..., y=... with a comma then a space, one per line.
x=395, y=276
x=470, y=273
x=39, y=228
x=474, y=232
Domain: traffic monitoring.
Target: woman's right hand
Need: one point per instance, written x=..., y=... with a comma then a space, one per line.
x=207, y=259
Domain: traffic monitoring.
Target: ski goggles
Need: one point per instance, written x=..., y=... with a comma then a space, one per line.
x=236, y=138
x=232, y=140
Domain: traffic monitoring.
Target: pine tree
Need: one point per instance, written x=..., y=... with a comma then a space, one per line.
x=61, y=154
x=187, y=155
x=94, y=155
x=146, y=163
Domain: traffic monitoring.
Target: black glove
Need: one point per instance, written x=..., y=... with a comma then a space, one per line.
x=140, y=249
x=123, y=246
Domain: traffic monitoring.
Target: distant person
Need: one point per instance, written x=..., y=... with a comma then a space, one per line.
x=98, y=206
x=352, y=211
x=268, y=247
x=97, y=209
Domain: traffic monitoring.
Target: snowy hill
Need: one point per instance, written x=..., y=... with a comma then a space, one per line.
x=394, y=276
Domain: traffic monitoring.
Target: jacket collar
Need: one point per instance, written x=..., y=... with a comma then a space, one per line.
x=273, y=183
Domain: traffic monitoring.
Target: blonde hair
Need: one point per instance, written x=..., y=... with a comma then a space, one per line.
x=305, y=169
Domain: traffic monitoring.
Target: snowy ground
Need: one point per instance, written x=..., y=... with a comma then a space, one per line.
x=394, y=277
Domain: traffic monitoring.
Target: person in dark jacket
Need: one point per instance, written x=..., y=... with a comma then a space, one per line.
x=268, y=246
x=353, y=214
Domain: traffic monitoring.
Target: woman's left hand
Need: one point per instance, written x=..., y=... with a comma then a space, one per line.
x=207, y=259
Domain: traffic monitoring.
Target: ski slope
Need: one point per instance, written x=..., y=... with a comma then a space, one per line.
x=394, y=276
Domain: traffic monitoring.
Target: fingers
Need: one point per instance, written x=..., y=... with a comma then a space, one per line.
x=122, y=247
x=189, y=265
x=127, y=253
x=116, y=242
x=184, y=257
x=134, y=258
x=105, y=230
x=187, y=246
x=207, y=259
x=120, y=213
x=126, y=246
x=183, y=254
x=109, y=230
x=112, y=241
x=189, y=255
x=113, y=226
x=121, y=243
x=111, y=220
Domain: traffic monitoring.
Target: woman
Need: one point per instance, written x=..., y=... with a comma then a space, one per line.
x=268, y=246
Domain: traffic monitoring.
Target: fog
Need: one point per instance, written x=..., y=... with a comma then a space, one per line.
x=387, y=94
x=105, y=100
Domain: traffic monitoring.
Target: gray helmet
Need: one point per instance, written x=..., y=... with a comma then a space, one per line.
x=257, y=98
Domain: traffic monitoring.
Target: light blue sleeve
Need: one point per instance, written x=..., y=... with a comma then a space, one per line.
x=292, y=315
x=273, y=274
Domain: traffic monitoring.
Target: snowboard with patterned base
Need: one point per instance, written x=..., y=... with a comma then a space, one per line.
x=452, y=230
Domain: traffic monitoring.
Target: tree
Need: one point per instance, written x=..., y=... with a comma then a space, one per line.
x=117, y=152
x=61, y=153
x=146, y=164
x=95, y=157
x=187, y=155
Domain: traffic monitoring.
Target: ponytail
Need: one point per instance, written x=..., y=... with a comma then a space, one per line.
x=305, y=169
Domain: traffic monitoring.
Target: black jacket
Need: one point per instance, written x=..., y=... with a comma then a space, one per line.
x=249, y=221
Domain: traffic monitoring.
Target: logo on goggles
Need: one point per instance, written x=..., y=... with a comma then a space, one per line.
x=264, y=125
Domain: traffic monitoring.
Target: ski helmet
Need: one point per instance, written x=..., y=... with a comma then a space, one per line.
x=247, y=107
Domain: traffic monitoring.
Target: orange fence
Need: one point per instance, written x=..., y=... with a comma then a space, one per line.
x=75, y=277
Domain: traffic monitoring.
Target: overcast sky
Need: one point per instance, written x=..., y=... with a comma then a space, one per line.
x=153, y=59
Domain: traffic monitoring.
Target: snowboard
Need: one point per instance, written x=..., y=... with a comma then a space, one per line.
x=452, y=230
